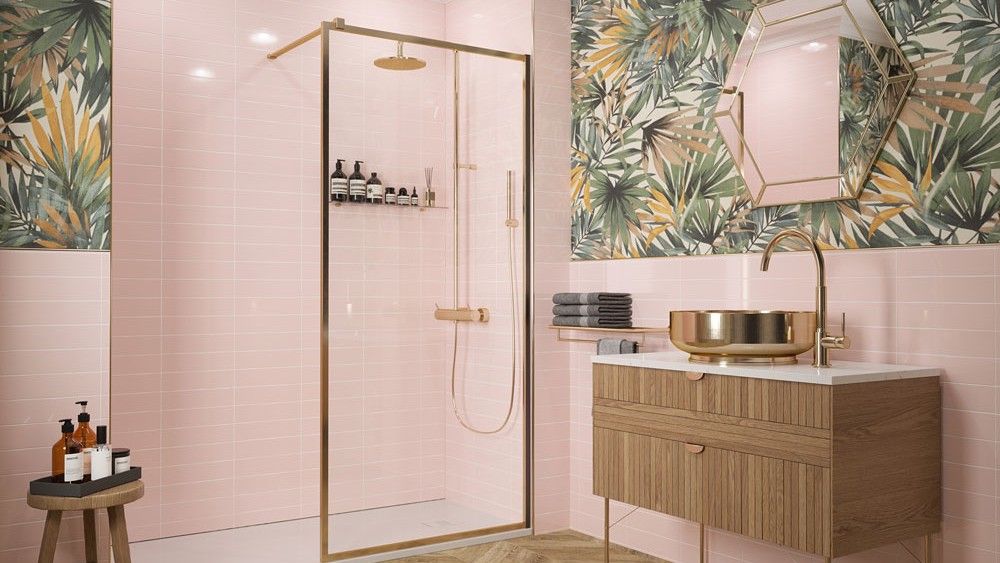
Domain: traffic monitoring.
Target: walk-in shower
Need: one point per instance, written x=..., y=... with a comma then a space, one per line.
x=424, y=409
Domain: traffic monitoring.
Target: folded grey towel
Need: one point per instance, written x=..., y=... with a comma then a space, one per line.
x=607, y=346
x=623, y=316
x=596, y=322
x=597, y=298
x=592, y=310
x=616, y=346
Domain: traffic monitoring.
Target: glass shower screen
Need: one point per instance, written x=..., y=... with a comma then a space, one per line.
x=425, y=402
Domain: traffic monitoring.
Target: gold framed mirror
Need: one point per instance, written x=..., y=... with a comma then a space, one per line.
x=812, y=96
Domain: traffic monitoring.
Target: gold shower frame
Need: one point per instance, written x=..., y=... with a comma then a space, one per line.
x=852, y=181
x=323, y=32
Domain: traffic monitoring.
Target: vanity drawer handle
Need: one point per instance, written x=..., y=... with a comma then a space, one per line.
x=694, y=448
x=694, y=375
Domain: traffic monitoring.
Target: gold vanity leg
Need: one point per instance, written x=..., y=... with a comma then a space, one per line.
x=701, y=543
x=607, y=530
x=928, y=542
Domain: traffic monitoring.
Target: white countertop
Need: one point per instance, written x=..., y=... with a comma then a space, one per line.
x=839, y=374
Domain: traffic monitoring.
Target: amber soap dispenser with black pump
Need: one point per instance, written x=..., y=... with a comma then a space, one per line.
x=67, y=455
x=85, y=435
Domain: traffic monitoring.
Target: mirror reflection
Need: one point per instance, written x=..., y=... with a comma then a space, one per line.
x=811, y=96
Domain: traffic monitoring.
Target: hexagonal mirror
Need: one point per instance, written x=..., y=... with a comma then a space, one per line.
x=812, y=95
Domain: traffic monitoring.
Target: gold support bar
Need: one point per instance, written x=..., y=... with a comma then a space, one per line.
x=294, y=44
x=337, y=24
x=324, y=292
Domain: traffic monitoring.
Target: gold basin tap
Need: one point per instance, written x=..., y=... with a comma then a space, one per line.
x=824, y=341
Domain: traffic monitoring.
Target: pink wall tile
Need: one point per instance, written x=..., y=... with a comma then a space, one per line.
x=53, y=351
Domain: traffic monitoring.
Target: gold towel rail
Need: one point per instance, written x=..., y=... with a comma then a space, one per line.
x=641, y=331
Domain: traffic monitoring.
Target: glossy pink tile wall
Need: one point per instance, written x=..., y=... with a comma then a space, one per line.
x=53, y=352
x=937, y=307
x=551, y=221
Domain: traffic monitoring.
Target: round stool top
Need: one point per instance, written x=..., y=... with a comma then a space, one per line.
x=122, y=494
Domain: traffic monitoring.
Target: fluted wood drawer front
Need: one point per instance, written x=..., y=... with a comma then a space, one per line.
x=775, y=500
x=785, y=402
x=650, y=472
x=781, y=441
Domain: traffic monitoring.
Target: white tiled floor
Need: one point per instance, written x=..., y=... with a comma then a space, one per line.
x=297, y=541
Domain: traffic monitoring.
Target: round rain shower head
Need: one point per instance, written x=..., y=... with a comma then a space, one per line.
x=400, y=61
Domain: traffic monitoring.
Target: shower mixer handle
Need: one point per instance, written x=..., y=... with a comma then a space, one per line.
x=462, y=314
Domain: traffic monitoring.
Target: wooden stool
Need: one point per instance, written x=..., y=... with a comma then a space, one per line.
x=113, y=499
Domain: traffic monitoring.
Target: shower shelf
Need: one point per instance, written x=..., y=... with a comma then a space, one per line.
x=643, y=331
x=421, y=208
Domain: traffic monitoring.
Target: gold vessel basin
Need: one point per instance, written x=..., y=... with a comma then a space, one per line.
x=770, y=337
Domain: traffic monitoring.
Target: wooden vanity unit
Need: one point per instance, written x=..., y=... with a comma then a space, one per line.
x=829, y=461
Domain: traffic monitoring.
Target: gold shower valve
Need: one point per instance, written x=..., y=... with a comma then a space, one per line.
x=463, y=314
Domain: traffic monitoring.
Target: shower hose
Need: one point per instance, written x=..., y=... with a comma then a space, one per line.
x=511, y=225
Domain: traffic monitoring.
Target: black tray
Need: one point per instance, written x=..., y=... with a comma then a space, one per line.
x=48, y=486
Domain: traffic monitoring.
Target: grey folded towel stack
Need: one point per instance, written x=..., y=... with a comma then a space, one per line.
x=616, y=346
x=592, y=310
x=597, y=298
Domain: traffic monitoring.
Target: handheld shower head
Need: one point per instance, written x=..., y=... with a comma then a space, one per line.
x=511, y=221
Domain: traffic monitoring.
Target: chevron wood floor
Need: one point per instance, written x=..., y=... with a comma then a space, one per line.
x=557, y=547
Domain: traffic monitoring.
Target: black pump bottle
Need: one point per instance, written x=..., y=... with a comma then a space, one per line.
x=338, y=183
x=357, y=183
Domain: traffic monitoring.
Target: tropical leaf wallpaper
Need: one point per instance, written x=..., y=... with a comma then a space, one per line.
x=55, y=135
x=651, y=177
x=861, y=83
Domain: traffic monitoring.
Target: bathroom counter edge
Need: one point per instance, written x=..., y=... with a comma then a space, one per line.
x=841, y=372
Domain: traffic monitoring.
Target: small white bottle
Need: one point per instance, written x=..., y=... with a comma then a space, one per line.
x=100, y=457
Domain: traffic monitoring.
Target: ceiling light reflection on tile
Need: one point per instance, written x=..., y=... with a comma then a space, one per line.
x=263, y=38
x=202, y=72
x=814, y=46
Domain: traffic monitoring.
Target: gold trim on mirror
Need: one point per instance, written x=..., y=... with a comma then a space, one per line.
x=877, y=114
